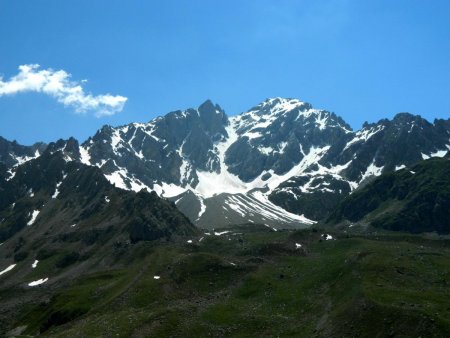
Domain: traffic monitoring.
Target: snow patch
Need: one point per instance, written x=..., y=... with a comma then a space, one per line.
x=265, y=150
x=56, y=193
x=85, y=158
x=34, y=215
x=168, y=190
x=121, y=175
x=9, y=268
x=321, y=120
x=211, y=183
x=202, y=208
x=439, y=153
x=327, y=237
x=115, y=141
x=262, y=206
x=372, y=170
x=281, y=147
x=38, y=282
x=220, y=233
x=424, y=156
x=116, y=179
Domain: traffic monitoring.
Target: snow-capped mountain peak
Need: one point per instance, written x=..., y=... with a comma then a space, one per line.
x=282, y=153
x=279, y=105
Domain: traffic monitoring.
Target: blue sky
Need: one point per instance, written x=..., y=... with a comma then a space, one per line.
x=364, y=60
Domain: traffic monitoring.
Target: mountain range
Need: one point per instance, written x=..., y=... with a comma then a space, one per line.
x=282, y=163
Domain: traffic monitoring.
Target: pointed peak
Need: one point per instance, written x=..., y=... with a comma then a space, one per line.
x=209, y=108
x=208, y=105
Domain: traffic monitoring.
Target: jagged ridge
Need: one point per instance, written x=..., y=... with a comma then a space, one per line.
x=302, y=159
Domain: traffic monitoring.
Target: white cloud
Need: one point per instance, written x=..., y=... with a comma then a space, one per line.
x=58, y=85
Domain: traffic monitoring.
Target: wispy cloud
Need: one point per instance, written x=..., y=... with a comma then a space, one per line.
x=58, y=84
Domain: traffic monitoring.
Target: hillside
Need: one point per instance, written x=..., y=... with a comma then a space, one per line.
x=246, y=282
x=61, y=219
x=415, y=199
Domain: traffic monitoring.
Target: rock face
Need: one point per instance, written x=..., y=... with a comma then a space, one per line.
x=281, y=163
x=279, y=133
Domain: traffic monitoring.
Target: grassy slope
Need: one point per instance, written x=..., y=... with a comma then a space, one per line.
x=414, y=200
x=357, y=286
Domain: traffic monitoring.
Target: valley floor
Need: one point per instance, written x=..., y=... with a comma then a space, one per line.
x=251, y=282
